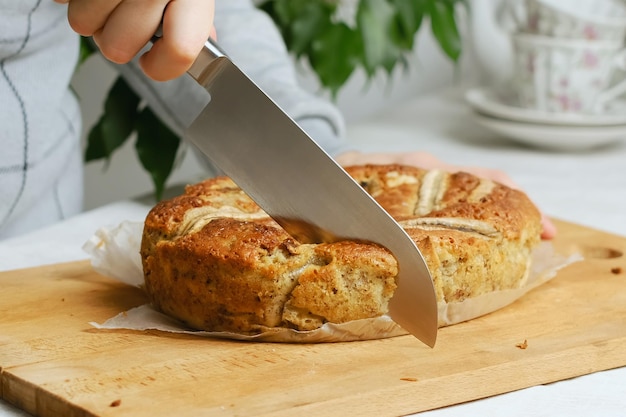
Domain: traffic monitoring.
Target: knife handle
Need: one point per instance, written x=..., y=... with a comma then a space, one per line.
x=210, y=52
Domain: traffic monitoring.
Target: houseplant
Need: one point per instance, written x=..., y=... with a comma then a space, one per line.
x=377, y=38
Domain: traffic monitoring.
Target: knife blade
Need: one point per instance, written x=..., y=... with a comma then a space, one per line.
x=253, y=141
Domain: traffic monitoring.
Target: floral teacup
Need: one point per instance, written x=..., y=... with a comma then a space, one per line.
x=562, y=75
x=547, y=18
x=598, y=9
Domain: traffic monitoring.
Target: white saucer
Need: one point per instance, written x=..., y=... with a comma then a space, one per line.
x=562, y=138
x=489, y=102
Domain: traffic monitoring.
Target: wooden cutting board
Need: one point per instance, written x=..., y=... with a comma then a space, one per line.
x=54, y=363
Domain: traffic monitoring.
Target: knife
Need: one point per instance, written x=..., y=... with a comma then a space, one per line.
x=253, y=141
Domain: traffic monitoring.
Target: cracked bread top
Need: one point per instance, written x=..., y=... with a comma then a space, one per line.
x=214, y=260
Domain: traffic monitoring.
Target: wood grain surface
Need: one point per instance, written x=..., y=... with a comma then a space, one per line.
x=52, y=362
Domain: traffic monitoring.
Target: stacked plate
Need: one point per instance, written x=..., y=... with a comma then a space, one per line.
x=496, y=111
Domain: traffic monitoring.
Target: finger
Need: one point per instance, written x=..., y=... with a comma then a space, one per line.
x=62, y=1
x=128, y=29
x=549, y=229
x=187, y=24
x=88, y=16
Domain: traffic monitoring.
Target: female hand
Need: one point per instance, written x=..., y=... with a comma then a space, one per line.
x=428, y=161
x=121, y=28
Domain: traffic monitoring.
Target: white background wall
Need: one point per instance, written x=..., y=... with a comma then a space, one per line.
x=428, y=70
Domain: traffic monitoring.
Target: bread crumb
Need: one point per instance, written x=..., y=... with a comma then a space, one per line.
x=115, y=403
x=522, y=345
x=617, y=270
x=409, y=379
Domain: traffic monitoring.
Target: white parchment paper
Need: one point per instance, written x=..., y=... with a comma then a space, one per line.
x=114, y=252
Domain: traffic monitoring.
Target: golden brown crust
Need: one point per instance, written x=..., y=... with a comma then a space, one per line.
x=214, y=260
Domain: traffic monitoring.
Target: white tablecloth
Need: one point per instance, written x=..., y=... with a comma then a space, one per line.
x=585, y=187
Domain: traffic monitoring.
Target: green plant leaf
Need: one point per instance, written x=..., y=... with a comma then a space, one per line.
x=385, y=30
x=116, y=123
x=156, y=148
x=313, y=19
x=281, y=11
x=334, y=56
x=281, y=14
x=377, y=24
x=86, y=50
x=444, y=27
x=97, y=147
x=409, y=16
x=299, y=21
